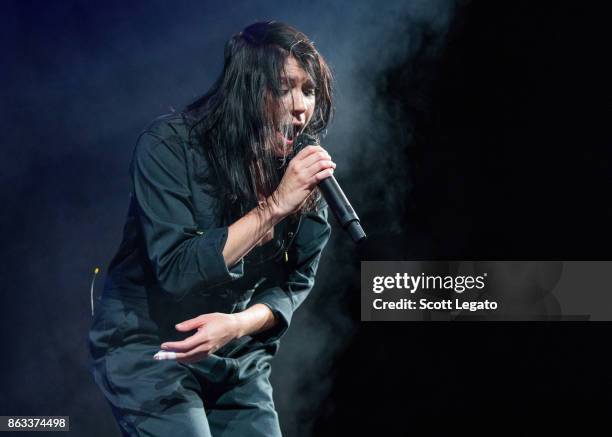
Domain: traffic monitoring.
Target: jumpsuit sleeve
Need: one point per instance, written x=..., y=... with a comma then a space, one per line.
x=283, y=299
x=183, y=257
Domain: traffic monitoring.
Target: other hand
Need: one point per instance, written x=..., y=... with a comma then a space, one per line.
x=213, y=331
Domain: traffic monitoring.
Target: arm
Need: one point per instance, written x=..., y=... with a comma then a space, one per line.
x=246, y=232
x=269, y=313
x=304, y=172
x=284, y=298
x=183, y=257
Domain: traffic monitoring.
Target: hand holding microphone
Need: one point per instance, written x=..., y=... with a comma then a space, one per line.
x=313, y=166
x=309, y=167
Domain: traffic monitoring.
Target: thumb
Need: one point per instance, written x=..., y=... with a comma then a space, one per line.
x=191, y=324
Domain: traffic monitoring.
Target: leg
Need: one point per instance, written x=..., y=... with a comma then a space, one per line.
x=184, y=419
x=246, y=408
x=151, y=398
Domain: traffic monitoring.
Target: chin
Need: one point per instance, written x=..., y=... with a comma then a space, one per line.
x=283, y=144
x=280, y=153
x=283, y=147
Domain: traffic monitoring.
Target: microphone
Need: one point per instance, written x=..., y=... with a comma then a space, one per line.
x=334, y=196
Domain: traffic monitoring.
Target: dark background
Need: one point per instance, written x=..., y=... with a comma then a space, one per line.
x=464, y=130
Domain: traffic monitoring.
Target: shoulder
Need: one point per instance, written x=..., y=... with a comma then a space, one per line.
x=166, y=136
x=320, y=214
x=314, y=228
x=170, y=129
x=163, y=145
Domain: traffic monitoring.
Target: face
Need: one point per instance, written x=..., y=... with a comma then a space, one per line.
x=296, y=105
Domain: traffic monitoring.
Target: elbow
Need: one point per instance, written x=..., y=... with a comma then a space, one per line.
x=194, y=264
x=177, y=278
x=173, y=278
x=171, y=284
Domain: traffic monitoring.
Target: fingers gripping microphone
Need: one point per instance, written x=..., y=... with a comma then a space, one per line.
x=334, y=196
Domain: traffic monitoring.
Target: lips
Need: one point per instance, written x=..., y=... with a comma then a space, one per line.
x=292, y=132
x=285, y=140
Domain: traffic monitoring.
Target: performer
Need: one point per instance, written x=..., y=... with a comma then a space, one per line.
x=222, y=241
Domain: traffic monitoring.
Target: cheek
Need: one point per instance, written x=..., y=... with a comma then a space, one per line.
x=310, y=106
x=283, y=107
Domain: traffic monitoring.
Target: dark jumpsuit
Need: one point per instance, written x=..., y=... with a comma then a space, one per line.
x=170, y=268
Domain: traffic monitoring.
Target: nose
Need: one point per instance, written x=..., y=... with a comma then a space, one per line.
x=298, y=105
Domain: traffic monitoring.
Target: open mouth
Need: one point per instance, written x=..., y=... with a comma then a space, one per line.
x=288, y=135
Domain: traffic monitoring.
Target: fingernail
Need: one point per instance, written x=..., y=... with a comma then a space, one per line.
x=165, y=356
x=164, y=346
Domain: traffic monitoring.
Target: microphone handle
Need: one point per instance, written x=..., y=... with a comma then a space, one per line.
x=334, y=196
x=341, y=208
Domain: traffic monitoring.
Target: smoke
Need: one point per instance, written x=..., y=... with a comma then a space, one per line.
x=361, y=46
x=85, y=83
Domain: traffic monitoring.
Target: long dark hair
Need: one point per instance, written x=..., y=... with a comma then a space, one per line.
x=233, y=124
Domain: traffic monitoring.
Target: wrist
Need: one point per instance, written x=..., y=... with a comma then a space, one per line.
x=239, y=329
x=274, y=208
x=252, y=320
